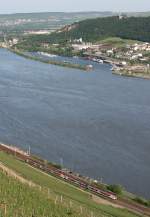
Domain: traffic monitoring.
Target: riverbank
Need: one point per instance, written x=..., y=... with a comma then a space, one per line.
x=63, y=64
x=45, y=96
x=119, y=66
x=128, y=70
x=134, y=75
x=17, y=155
x=56, y=191
x=137, y=71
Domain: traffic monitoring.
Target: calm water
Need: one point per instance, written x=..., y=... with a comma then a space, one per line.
x=99, y=124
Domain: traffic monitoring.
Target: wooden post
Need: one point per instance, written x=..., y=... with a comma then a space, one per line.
x=70, y=204
x=5, y=210
x=56, y=200
x=61, y=198
x=48, y=192
x=92, y=214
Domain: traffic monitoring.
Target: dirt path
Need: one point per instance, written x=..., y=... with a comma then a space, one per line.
x=105, y=202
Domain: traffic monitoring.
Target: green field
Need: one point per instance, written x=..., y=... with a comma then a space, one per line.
x=118, y=42
x=74, y=198
x=18, y=200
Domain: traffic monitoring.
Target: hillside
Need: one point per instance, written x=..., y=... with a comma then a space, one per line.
x=20, y=200
x=136, y=28
x=92, y=30
x=47, y=196
x=44, y=21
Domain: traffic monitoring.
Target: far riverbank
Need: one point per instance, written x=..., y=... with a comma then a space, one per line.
x=63, y=64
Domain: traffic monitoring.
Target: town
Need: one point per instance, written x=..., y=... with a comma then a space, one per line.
x=126, y=56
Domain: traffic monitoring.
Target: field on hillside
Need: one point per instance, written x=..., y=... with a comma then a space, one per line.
x=58, y=191
x=19, y=200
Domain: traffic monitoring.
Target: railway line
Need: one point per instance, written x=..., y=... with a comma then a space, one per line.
x=73, y=179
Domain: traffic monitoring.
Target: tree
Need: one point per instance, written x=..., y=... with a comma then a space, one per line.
x=115, y=188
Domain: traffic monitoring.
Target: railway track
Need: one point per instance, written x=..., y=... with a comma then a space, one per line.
x=71, y=178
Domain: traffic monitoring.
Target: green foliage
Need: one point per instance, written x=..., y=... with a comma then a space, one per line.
x=118, y=189
x=92, y=30
x=95, y=29
x=142, y=201
x=50, y=20
x=19, y=200
x=63, y=64
x=57, y=188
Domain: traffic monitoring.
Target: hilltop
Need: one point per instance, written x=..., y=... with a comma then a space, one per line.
x=91, y=30
x=50, y=21
x=22, y=22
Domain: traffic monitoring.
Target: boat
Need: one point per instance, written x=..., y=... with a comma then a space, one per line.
x=47, y=54
x=100, y=61
x=89, y=67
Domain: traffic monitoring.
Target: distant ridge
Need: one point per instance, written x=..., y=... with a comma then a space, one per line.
x=44, y=20
x=20, y=22
x=100, y=13
x=90, y=30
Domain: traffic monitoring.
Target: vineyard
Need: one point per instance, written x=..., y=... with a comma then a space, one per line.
x=17, y=200
x=48, y=197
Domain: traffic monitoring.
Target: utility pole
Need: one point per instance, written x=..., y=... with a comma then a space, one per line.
x=61, y=162
x=29, y=150
x=101, y=180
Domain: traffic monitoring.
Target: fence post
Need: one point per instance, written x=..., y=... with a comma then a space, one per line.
x=48, y=192
x=61, y=199
x=56, y=200
x=81, y=210
x=92, y=214
x=5, y=209
x=70, y=204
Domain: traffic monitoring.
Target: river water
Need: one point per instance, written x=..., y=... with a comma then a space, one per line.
x=94, y=122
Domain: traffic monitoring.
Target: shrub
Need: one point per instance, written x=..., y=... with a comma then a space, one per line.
x=115, y=188
x=142, y=201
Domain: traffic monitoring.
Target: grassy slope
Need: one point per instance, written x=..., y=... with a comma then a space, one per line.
x=58, y=187
x=22, y=201
x=118, y=42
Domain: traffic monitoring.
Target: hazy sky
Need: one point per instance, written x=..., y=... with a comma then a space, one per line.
x=13, y=6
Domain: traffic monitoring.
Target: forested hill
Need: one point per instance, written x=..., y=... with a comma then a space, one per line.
x=137, y=28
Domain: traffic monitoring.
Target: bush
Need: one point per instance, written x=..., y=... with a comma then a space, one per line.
x=142, y=201
x=115, y=188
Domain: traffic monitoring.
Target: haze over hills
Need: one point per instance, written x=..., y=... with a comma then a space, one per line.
x=44, y=21
x=51, y=20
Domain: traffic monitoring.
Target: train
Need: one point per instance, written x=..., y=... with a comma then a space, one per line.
x=59, y=173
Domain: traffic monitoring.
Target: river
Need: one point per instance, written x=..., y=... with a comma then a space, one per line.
x=94, y=122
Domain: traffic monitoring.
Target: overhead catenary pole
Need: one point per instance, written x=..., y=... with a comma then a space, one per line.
x=29, y=150
x=61, y=162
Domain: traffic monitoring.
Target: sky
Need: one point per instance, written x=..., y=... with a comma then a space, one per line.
x=17, y=6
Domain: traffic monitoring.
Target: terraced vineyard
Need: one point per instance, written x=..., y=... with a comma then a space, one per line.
x=49, y=197
x=18, y=200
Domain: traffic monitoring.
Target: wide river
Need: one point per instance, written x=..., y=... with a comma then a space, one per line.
x=94, y=122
